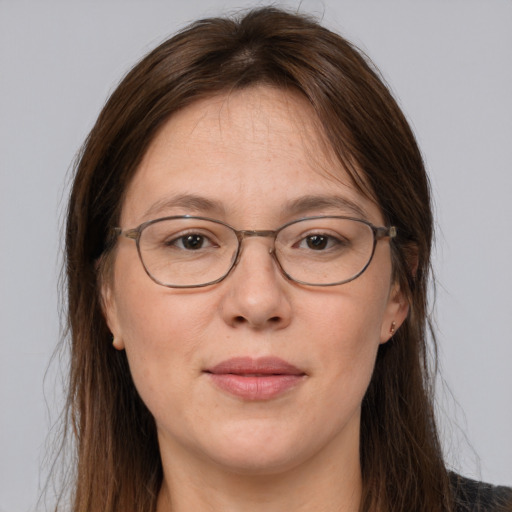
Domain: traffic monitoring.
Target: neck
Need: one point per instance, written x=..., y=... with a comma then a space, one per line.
x=273, y=493
x=322, y=484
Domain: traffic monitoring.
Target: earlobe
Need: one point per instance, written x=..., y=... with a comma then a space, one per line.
x=117, y=343
x=396, y=312
x=109, y=312
x=398, y=302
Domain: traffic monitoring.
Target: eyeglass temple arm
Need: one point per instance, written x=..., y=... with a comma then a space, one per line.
x=129, y=233
x=390, y=232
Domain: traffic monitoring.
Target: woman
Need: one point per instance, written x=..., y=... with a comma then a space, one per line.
x=248, y=250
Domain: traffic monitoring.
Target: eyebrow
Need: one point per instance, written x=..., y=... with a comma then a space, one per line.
x=189, y=202
x=300, y=206
x=321, y=202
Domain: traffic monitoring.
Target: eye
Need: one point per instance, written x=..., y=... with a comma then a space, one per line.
x=319, y=242
x=191, y=242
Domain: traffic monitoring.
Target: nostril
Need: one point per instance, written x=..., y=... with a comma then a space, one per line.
x=240, y=319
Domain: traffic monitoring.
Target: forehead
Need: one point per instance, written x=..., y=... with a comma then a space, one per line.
x=248, y=153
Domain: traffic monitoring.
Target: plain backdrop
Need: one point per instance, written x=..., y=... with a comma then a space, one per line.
x=449, y=63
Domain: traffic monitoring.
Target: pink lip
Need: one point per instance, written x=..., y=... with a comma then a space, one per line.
x=255, y=379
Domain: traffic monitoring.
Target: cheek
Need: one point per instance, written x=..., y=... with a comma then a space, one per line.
x=151, y=316
x=345, y=327
x=162, y=337
x=161, y=329
x=353, y=313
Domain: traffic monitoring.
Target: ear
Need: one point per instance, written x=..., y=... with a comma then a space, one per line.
x=108, y=306
x=411, y=253
x=396, y=312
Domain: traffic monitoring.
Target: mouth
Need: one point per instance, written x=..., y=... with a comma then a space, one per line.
x=255, y=379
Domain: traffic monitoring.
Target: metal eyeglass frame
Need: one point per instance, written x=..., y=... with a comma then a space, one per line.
x=379, y=232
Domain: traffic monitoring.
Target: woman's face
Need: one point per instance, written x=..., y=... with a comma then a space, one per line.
x=248, y=159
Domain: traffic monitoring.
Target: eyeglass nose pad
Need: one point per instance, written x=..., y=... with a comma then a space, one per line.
x=273, y=255
x=236, y=258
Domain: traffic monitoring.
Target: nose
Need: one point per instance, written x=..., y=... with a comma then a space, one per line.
x=257, y=295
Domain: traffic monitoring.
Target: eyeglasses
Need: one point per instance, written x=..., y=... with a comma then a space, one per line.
x=187, y=252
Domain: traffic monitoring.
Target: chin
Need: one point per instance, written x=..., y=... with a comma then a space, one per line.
x=258, y=463
x=257, y=451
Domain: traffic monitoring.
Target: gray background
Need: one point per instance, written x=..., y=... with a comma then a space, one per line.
x=450, y=64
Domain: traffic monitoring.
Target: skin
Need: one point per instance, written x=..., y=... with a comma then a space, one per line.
x=300, y=450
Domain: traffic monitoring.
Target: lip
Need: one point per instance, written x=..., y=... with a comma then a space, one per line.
x=255, y=379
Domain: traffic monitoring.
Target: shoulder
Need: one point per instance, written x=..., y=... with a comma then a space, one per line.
x=473, y=496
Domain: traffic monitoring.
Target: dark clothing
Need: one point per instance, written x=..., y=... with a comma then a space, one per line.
x=473, y=496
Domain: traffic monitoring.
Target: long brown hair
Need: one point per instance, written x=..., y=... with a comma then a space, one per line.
x=118, y=466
